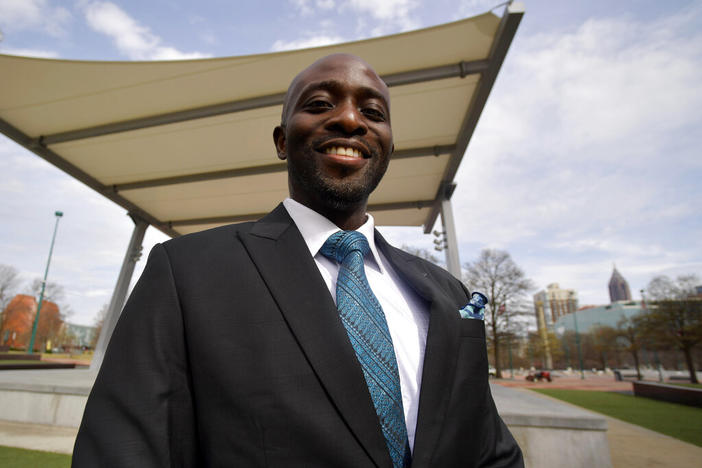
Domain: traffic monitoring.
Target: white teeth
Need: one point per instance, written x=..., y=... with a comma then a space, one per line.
x=344, y=151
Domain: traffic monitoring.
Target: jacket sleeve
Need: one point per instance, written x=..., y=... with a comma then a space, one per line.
x=140, y=410
x=498, y=448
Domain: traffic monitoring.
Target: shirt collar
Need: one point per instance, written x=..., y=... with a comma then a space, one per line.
x=316, y=229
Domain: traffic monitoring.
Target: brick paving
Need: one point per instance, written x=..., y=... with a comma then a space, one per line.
x=603, y=383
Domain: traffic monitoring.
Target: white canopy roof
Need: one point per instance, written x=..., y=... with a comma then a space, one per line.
x=187, y=145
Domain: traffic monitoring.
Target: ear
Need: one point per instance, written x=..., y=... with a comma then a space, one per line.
x=280, y=143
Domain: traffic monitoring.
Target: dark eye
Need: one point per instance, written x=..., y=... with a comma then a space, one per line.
x=318, y=105
x=374, y=114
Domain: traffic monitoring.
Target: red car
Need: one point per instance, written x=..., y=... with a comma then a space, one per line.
x=539, y=375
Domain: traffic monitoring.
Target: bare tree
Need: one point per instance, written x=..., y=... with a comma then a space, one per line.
x=630, y=333
x=52, y=292
x=98, y=322
x=496, y=275
x=604, y=342
x=539, y=350
x=675, y=318
x=9, y=280
x=662, y=288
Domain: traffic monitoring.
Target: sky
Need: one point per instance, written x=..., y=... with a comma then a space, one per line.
x=587, y=153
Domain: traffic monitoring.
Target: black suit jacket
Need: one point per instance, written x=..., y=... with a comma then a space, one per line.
x=230, y=353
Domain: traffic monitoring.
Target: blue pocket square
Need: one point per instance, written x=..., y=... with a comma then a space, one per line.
x=475, y=309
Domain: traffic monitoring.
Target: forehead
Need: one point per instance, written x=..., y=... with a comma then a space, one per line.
x=345, y=71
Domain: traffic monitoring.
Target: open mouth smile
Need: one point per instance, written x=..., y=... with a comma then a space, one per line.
x=345, y=149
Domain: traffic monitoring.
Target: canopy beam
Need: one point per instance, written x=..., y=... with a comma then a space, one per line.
x=505, y=33
x=259, y=170
x=75, y=172
x=460, y=69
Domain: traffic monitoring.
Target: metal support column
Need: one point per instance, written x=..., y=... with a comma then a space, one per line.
x=119, y=295
x=453, y=262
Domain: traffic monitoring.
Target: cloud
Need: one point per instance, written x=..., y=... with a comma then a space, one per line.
x=587, y=153
x=39, y=53
x=468, y=8
x=91, y=237
x=131, y=38
x=373, y=18
x=390, y=14
x=33, y=15
x=308, y=7
x=312, y=41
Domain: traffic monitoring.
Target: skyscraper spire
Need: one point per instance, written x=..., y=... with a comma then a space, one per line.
x=618, y=287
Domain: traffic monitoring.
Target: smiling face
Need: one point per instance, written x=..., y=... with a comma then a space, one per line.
x=336, y=135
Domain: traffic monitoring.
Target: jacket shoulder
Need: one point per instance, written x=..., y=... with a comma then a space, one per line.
x=215, y=236
x=438, y=274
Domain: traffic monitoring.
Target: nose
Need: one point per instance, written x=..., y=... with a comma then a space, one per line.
x=347, y=118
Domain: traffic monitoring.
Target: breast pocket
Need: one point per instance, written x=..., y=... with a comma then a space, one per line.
x=473, y=328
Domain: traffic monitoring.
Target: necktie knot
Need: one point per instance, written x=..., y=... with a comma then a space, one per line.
x=342, y=243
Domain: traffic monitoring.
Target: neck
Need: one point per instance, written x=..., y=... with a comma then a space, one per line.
x=347, y=218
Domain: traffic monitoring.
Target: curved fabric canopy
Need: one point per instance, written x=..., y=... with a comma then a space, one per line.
x=187, y=145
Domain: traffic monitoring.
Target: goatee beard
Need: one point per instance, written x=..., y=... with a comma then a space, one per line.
x=335, y=194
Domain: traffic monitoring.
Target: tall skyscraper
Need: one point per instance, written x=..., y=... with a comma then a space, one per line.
x=553, y=303
x=549, y=305
x=618, y=287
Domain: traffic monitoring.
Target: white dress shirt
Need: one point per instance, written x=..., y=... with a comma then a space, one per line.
x=406, y=314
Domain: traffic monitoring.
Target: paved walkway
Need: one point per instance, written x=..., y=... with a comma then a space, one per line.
x=605, y=383
x=633, y=446
x=38, y=437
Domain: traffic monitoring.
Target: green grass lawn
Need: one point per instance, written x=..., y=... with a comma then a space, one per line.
x=11, y=457
x=679, y=421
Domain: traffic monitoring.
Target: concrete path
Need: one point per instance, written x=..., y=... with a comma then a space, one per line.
x=38, y=437
x=633, y=446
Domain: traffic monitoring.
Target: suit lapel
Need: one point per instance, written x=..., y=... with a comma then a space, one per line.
x=284, y=262
x=440, y=354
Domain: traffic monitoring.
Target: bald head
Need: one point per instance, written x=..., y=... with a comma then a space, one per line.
x=323, y=66
x=336, y=137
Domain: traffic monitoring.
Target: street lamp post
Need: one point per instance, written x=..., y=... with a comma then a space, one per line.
x=58, y=215
x=577, y=343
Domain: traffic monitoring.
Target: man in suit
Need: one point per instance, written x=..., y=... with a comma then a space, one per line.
x=237, y=346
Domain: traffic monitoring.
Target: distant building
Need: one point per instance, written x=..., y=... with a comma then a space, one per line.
x=600, y=316
x=79, y=336
x=553, y=303
x=618, y=288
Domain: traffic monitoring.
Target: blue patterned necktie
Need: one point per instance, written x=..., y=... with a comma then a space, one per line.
x=367, y=329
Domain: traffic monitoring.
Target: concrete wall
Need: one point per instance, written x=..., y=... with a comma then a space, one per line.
x=54, y=409
x=672, y=393
x=551, y=434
